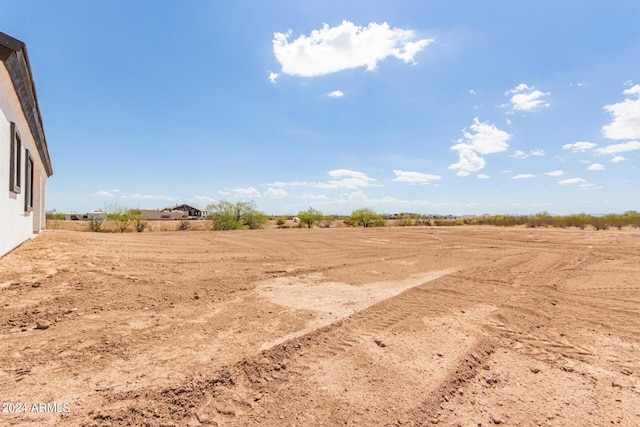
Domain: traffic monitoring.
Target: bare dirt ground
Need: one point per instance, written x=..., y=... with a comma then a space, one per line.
x=468, y=326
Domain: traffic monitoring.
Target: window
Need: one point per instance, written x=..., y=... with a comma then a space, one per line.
x=28, y=178
x=16, y=160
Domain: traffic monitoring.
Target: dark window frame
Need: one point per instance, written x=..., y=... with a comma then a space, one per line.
x=15, y=169
x=28, y=178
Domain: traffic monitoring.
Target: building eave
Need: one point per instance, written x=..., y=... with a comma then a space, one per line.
x=13, y=54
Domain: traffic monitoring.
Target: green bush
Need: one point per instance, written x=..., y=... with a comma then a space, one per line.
x=365, y=218
x=310, y=217
x=225, y=215
x=53, y=215
x=580, y=220
x=124, y=218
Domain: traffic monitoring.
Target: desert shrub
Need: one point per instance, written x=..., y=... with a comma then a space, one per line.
x=574, y=220
x=122, y=223
x=139, y=224
x=365, y=218
x=580, y=220
x=121, y=218
x=53, y=215
x=538, y=220
x=255, y=220
x=448, y=222
x=600, y=224
x=183, y=225
x=234, y=216
x=95, y=224
x=310, y=217
x=135, y=216
x=611, y=220
x=632, y=218
x=407, y=222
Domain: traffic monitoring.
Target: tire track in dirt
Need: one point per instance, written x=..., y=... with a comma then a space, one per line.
x=347, y=365
x=334, y=300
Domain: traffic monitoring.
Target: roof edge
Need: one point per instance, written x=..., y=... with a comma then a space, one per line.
x=13, y=53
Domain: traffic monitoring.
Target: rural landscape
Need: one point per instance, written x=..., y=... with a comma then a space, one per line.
x=469, y=325
x=303, y=214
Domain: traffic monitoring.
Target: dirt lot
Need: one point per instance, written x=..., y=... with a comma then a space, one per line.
x=469, y=326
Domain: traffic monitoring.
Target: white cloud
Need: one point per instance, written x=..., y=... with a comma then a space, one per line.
x=555, y=173
x=354, y=196
x=482, y=176
x=332, y=49
x=626, y=116
x=596, y=167
x=472, y=92
x=336, y=94
x=345, y=178
x=620, y=148
x=617, y=159
x=579, y=146
x=414, y=177
x=275, y=193
x=526, y=98
x=106, y=193
x=290, y=183
x=483, y=138
x=243, y=192
x=204, y=200
x=573, y=181
x=469, y=162
x=523, y=176
x=314, y=197
x=342, y=178
x=273, y=77
x=519, y=154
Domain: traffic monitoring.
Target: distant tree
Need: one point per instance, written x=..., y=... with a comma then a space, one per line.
x=225, y=215
x=366, y=218
x=310, y=217
x=53, y=214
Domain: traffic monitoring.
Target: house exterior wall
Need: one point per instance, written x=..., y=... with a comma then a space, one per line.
x=17, y=225
x=155, y=215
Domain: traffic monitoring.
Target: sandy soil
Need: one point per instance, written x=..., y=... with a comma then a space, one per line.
x=468, y=326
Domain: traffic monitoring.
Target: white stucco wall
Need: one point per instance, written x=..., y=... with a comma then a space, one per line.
x=16, y=225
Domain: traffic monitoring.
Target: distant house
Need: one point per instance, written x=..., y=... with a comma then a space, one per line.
x=162, y=214
x=96, y=214
x=192, y=212
x=405, y=215
x=24, y=157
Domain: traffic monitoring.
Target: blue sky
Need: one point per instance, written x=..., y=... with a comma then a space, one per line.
x=462, y=107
